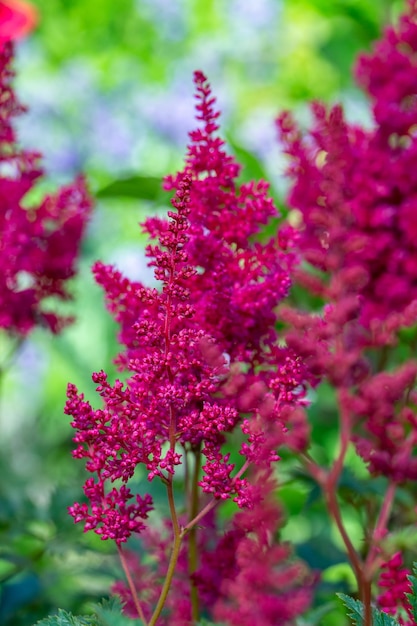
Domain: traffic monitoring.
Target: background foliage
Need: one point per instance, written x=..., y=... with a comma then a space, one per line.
x=109, y=92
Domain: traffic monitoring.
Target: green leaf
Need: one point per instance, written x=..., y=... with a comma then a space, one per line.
x=412, y=597
x=356, y=613
x=315, y=616
x=7, y=569
x=253, y=168
x=107, y=613
x=355, y=607
x=67, y=619
x=110, y=613
x=140, y=187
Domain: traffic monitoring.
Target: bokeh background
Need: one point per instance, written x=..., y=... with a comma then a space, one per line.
x=109, y=90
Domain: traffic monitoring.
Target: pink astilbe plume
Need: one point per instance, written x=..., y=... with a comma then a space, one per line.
x=203, y=360
x=262, y=584
x=355, y=188
x=39, y=245
x=394, y=586
x=356, y=193
x=354, y=196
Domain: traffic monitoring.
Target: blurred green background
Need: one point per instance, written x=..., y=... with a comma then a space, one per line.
x=109, y=90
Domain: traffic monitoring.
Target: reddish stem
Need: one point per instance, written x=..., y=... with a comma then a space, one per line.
x=131, y=585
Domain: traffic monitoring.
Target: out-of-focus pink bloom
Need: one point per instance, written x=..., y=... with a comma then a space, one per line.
x=17, y=19
x=39, y=245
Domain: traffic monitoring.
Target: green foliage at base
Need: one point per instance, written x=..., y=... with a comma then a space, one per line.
x=107, y=613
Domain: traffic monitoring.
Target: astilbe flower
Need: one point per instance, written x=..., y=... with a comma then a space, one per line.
x=355, y=188
x=245, y=575
x=262, y=583
x=199, y=353
x=39, y=245
x=355, y=194
x=395, y=585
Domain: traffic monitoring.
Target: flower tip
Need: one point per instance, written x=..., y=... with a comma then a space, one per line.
x=199, y=77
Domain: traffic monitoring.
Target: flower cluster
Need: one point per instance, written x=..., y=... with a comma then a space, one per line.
x=203, y=359
x=182, y=343
x=245, y=576
x=205, y=365
x=39, y=244
x=353, y=198
x=355, y=193
x=396, y=585
x=355, y=188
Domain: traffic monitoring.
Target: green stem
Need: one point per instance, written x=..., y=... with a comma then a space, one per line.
x=168, y=580
x=174, y=557
x=192, y=538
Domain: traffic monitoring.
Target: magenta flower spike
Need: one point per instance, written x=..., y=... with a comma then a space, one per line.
x=39, y=245
x=202, y=361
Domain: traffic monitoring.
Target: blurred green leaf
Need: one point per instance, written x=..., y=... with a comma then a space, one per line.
x=315, y=616
x=107, y=613
x=7, y=569
x=252, y=166
x=403, y=539
x=140, y=187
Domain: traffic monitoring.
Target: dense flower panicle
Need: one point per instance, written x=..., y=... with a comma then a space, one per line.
x=199, y=353
x=355, y=188
x=388, y=434
x=394, y=101
x=169, y=398
x=244, y=573
x=241, y=280
x=355, y=193
x=263, y=585
x=395, y=585
x=39, y=245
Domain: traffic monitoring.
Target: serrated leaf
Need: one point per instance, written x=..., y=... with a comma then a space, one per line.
x=382, y=619
x=355, y=607
x=412, y=597
x=63, y=618
x=356, y=613
x=110, y=613
x=141, y=187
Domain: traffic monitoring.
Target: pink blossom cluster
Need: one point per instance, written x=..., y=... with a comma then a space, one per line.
x=40, y=242
x=355, y=188
x=245, y=576
x=203, y=360
x=205, y=364
x=395, y=585
x=354, y=192
x=353, y=198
